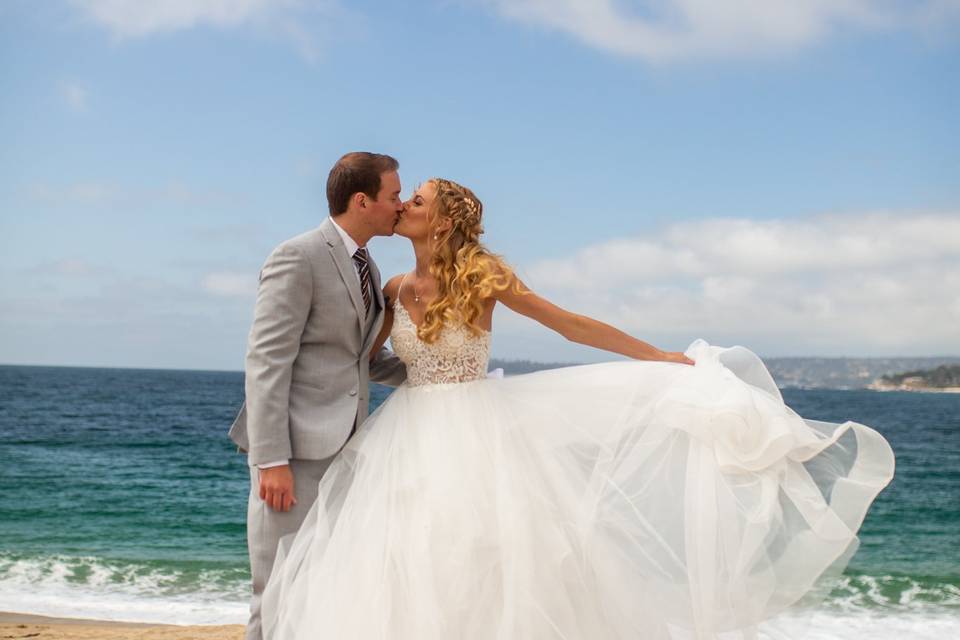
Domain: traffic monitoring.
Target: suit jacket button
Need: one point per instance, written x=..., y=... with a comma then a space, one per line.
x=353, y=392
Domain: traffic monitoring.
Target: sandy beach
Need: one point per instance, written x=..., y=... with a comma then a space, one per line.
x=18, y=625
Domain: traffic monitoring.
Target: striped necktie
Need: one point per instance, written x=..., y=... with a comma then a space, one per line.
x=363, y=268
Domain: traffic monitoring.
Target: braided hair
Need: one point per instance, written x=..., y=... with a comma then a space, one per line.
x=465, y=271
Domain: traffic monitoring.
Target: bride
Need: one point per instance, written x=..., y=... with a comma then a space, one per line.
x=671, y=496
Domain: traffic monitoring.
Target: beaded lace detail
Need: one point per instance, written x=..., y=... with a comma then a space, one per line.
x=456, y=356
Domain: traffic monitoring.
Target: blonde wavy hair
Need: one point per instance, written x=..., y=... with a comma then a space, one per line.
x=465, y=271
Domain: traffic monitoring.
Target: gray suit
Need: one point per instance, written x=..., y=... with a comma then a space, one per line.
x=307, y=379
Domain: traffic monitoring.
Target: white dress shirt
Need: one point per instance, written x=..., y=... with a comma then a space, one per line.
x=351, y=245
x=348, y=242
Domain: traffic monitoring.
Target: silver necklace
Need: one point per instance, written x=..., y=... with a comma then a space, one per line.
x=416, y=294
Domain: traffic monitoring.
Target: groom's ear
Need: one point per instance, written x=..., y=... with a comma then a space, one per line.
x=360, y=200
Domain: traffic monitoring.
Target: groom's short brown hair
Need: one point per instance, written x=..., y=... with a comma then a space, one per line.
x=356, y=172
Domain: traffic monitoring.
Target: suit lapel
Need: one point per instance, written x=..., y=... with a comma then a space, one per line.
x=345, y=266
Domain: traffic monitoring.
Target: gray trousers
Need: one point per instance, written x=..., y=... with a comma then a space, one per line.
x=265, y=527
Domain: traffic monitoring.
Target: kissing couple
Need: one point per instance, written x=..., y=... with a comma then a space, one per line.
x=669, y=495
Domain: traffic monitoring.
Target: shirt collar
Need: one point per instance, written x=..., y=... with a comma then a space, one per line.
x=349, y=243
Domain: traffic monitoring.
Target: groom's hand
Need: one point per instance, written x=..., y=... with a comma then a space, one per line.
x=276, y=487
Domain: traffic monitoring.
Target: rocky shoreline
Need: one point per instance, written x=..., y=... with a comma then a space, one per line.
x=943, y=379
x=881, y=386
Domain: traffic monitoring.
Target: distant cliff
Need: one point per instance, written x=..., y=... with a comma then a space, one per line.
x=943, y=378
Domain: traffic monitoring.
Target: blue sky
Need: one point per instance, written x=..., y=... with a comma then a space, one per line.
x=782, y=175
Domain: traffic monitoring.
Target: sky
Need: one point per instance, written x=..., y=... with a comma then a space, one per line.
x=780, y=174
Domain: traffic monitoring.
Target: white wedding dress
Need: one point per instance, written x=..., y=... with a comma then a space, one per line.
x=620, y=500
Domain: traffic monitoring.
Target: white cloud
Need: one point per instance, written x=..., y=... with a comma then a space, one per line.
x=133, y=18
x=123, y=319
x=105, y=193
x=231, y=284
x=85, y=193
x=873, y=283
x=75, y=95
x=69, y=267
x=231, y=233
x=663, y=30
x=293, y=20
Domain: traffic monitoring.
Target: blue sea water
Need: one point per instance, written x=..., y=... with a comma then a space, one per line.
x=121, y=497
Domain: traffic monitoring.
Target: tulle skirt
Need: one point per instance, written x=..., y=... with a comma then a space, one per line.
x=619, y=500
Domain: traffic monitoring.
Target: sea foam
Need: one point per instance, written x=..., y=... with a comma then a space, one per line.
x=90, y=587
x=860, y=606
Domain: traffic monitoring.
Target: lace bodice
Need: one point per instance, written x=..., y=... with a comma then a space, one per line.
x=456, y=356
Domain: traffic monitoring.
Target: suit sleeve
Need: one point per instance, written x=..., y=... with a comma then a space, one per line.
x=386, y=368
x=284, y=298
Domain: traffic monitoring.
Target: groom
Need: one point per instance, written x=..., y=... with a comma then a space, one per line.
x=319, y=309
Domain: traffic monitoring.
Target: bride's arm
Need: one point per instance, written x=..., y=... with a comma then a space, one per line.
x=579, y=328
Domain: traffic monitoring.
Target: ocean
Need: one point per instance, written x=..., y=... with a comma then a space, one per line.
x=121, y=497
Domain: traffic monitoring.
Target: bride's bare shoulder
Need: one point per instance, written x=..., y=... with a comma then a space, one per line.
x=392, y=287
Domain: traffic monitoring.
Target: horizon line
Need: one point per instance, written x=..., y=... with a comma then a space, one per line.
x=568, y=363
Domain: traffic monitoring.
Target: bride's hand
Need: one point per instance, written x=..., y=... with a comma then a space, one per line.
x=676, y=356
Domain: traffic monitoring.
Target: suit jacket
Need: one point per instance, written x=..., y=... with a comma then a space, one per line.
x=307, y=364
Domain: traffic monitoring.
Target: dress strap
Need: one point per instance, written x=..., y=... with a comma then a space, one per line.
x=400, y=290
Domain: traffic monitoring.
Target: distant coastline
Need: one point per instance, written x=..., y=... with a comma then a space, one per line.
x=881, y=387
x=796, y=372
x=848, y=373
x=942, y=379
